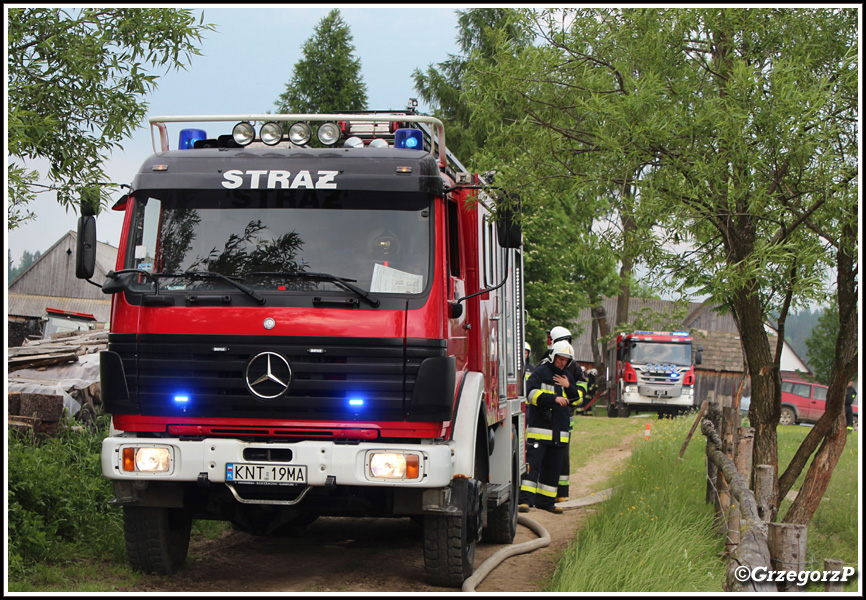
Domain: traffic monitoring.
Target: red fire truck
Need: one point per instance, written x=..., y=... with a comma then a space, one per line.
x=652, y=370
x=304, y=329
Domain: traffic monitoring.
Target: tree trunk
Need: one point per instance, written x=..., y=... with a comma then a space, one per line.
x=766, y=405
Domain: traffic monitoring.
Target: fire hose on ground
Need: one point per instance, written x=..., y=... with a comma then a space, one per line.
x=543, y=540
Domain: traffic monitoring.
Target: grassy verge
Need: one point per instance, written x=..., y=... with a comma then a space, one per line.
x=655, y=534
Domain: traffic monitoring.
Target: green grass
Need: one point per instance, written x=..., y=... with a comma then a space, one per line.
x=656, y=535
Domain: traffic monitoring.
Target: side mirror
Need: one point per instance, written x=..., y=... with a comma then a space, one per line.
x=698, y=355
x=85, y=249
x=508, y=227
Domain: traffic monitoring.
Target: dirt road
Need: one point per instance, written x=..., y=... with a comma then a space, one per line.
x=374, y=555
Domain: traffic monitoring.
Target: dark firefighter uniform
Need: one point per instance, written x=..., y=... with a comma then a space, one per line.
x=547, y=434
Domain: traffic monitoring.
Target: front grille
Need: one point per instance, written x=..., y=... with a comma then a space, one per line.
x=210, y=370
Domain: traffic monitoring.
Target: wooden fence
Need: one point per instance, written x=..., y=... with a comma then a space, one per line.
x=754, y=544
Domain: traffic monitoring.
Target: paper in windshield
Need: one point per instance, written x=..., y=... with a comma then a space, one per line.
x=393, y=281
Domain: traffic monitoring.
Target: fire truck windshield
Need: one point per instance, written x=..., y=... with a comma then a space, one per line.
x=269, y=240
x=679, y=354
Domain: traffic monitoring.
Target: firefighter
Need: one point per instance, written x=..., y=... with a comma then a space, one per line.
x=850, y=396
x=528, y=367
x=551, y=390
x=555, y=335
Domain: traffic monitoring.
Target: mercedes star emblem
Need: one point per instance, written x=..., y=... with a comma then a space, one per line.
x=268, y=375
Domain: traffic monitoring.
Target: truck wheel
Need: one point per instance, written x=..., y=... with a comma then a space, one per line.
x=502, y=520
x=157, y=539
x=449, y=541
x=622, y=409
x=449, y=556
x=787, y=417
x=611, y=410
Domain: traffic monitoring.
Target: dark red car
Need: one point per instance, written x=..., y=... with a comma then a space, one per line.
x=803, y=402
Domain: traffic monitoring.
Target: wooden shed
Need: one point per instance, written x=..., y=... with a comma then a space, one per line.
x=47, y=297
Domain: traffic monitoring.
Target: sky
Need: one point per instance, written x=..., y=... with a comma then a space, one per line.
x=244, y=67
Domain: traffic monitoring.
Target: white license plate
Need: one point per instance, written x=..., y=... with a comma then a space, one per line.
x=270, y=474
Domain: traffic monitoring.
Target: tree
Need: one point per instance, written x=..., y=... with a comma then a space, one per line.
x=442, y=85
x=27, y=259
x=77, y=83
x=732, y=147
x=821, y=344
x=328, y=78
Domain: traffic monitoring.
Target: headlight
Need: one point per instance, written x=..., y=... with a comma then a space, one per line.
x=300, y=133
x=328, y=133
x=271, y=133
x=393, y=465
x=147, y=460
x=629, y=389
x=243, y=133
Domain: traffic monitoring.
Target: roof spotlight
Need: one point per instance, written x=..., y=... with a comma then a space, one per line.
x=353, y=142
x=300, y=133
x=243, y=133
x=328, y=133
x=271, y=133
x=379, y=143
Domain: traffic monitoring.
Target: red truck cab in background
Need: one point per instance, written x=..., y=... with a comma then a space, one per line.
x=652, y=370
x=303, y=331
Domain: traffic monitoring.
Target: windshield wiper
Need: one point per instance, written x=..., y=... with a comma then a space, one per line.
x=340, y=281
x=211, y=275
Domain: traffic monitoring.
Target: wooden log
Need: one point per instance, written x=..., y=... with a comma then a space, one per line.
x=47, y=407
x=743, y=461
x=787, y=543
x=41, y=360
x=714, y=415
x=752, y=551
x=834, y=566
x=13, y=403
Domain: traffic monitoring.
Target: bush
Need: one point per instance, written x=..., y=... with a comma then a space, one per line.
x=59, y=500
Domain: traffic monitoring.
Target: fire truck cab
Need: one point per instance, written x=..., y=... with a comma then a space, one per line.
x=304, y=329
x=652, y=370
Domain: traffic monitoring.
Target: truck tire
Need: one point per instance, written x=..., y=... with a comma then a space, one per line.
x=788, y=416
x=611, y=410
x=622, y=409
x=449, y=541
x=502, y=520
x=157, y=539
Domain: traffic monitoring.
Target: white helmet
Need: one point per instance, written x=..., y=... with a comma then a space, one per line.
x=563, y=348
x=527, y=347
x=593, y=372
x=559, y=333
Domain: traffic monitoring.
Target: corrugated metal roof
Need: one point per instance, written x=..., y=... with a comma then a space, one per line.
x=33, y=306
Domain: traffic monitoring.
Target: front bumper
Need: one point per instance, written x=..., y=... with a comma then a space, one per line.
x=327, y=463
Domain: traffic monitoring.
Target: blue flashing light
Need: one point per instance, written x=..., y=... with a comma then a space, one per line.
x=409, y=139
x=188, y=138
x=675, y=375
x=356, y=402
x=179, y=399
x=681, y=333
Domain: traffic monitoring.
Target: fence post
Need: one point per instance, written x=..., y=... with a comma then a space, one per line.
x=764, y=493
x=714, y=416
x=743, y=461
x=787, y=543
x=722, y=484
x=834, y=565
